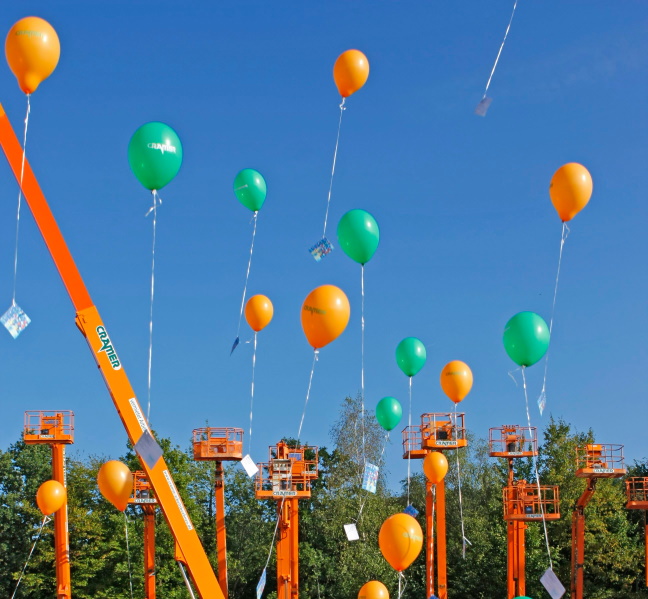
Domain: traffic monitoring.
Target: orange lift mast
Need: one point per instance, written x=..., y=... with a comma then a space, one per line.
x=594, y=461
x=219, y=445
x=523, y=502
x=438, y=431
x=143, y=496
x=55, y=429
x=286, y=478
x=189, y=550
x=637, y=494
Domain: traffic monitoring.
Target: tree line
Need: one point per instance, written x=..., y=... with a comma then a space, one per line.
x=105, y=566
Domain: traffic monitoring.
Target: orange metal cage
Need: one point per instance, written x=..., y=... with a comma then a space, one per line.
x=637, y=493
x=288, y=473
x=600, y=460
x=527, y=502
x=513, y=441
x=142, y=489
x=222, y=444
x=437, y=431
x=47, y=427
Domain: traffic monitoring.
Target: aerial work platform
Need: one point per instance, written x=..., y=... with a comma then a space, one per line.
x=437, y=431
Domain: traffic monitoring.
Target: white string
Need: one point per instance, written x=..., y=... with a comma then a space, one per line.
x=46, y=519
x=535, y=468
x=337, y=142
x=186, y=580
x=362, y=376
x=409, y=451
x=157, y=200
x=508, y=27
x=22, y=173
x=247, y=276
x=252, y=391
x=130, y=573
x=310, y=382
x=274, y=535
x=402, y=584
x=463, y=532
x=565, y=233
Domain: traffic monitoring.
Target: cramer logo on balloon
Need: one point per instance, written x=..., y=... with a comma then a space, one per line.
x=314, y=310
x=29, y=33
x=162, y=147
x=106, y=346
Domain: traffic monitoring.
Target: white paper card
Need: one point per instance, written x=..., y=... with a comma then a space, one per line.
x=351, y=532
x=550, y=582
x=249, y=465
x=15, y=320
x=482, y=107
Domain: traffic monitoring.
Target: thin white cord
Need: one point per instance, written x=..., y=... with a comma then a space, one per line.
x=22, y=173
x=409, y=451
x=508, y=27
x=130, y=573
x=46, y=519
x=247, y=276
x=252, y=391
x=362, y=370
x=156, y=202
x=337, y=142
x=310, y=383
x=186, y=580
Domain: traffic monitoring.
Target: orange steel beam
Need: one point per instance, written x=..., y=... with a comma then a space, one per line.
x=521, y=559
x=221, y=536
x=578, y=539
x=442, y=578
x=61, y=536
x=429, y=535
x=294, y=547
x=106, y=357
x=283, y=550
x=646, y=542
x=149, y=550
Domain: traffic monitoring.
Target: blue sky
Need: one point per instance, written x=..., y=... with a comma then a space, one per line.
x=468, y=234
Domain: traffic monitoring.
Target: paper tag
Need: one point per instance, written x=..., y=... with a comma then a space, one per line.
x=370, y=477
x=249, y=465
x=148, y=450
x=542, y=402
x=550, y=582
x=322, y=248
x=411, y=510
x=15, y=320
x=261, y=583
x=482, y=108
x=351, y=532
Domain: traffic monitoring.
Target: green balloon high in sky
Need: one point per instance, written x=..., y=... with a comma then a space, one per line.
x=526, y=338
x=155, y=155
x=359, y=235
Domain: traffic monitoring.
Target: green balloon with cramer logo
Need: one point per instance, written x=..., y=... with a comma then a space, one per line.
x=155, y=155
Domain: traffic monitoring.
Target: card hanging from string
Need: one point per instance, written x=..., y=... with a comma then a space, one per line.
x=482, y=108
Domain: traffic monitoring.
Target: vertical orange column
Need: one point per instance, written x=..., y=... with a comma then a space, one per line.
x=221, y=537
x=294, y=547
x=578, y=550
x=521, y=560
x=149, y=550
x=441, y=541
x=283, y=551
x=429, y=537
x=61, y=536
x=511, y=532
x=646, y=542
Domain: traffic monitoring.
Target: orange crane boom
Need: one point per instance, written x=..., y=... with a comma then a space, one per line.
x=105, y=355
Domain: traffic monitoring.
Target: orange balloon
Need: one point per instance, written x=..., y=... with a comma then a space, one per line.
x=325, y=315
x=570, y=190
x=400, y=540
x=456, y=380
x=258, y=312
x=350, y=72
x=32, y=49
x=373, y=590
x=51, y=497
x=435, y=466
x=115, y=483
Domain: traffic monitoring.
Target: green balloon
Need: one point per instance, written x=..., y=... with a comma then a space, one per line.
x=359, y=235
x=388, y=412
x=155, y=154
x=250, y=189
x=526, y=338
x=410, y=355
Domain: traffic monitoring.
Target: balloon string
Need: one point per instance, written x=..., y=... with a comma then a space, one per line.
x=508, y=27
x=409, y=452
x=247, y=276
x=563, y=237
x=535, y=467
x=362, y=370
x=46, y=519
x=130, y=573
x=22, y=172
x=402, y=584
x=157, y=200
x=310, y=382
x=463, y=531
x=186, y=580
x=252, y=390
x=337, y=143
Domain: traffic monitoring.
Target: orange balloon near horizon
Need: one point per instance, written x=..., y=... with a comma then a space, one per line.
x=435, y=466
x=32, y=49
x=400, y=540
x=350, y=72
x=258, y=312
x=456, y=380
x=115, y=482
x=324, y=315
x=51, y=497
x=373, y=589
x=570, y=190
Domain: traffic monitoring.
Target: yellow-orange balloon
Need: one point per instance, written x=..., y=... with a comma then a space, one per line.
x=435, y=466
x=400, y=540
x=258, y=312
x=350, y=72
x=373, y=589
x=456, y=380
x=115, y=483
x=570, y=190
x=325, y=314
x=51, y=497
x=32, y=49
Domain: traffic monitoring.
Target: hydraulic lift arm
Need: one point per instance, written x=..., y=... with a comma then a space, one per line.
x=112, y=370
